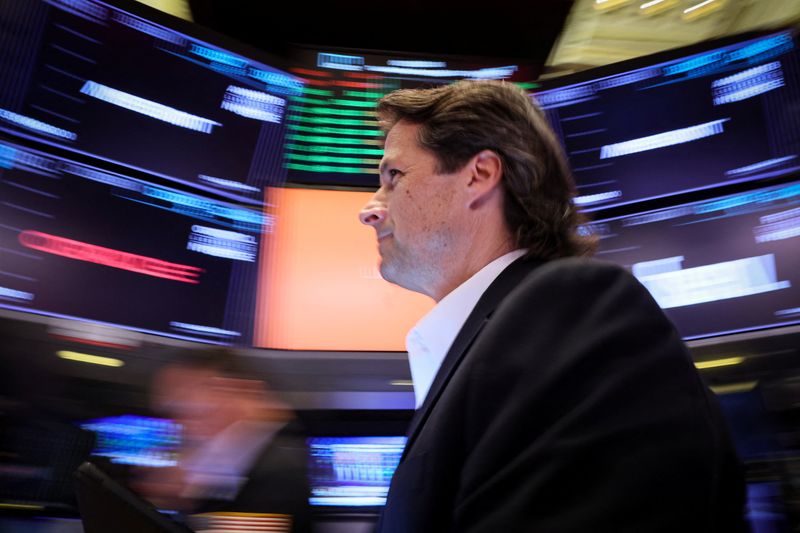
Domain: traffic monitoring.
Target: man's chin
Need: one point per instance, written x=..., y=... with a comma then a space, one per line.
x=385, y=270
x=393, y=275
x=389, y=272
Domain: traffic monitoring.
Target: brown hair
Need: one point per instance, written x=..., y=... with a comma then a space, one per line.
x=457, y=121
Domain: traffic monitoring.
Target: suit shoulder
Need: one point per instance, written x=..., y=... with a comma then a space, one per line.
x=581, y=283
x=580, y=270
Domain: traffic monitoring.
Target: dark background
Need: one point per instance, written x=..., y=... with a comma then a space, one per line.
x=520, y=29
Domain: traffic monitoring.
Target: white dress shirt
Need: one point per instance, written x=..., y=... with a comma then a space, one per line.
x=430, y=339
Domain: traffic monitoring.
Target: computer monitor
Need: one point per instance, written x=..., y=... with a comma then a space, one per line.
x=333, y=135
x=352, y=471
x=684, y=120
x=136, y=440
x=87, y=243
x=718, y=266
x=127, y=84
x=320, y=287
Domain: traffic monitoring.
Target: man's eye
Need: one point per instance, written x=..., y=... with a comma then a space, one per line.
x=394, y=174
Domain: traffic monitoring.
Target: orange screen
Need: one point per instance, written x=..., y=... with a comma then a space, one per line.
x=319, y=286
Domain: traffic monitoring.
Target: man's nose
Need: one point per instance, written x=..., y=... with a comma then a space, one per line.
x=374, y=212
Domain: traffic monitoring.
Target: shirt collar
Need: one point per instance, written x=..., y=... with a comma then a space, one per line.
x=430, y=339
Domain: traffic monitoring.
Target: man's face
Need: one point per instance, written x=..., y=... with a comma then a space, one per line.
x=414, y=213
x=188, y=396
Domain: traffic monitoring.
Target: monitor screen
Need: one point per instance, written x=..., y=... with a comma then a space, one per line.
x=81, y=242
x=320, y=287
x=690, y=122
x=352, y=471
x=717, y=266
x=94, y=78
x=136, y=440
x=333, y=136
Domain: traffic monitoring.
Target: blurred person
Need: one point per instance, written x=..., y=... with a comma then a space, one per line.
x=242, y=450
x=553, y=395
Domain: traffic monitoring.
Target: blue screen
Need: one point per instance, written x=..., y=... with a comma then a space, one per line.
x=717, y=266
x=352, y=471
x=89, y=77
x=136, y=440
x=81, y=242
x=694, y=122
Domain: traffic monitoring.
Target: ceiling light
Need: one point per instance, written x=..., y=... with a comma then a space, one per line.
x=714, y=363
x=608, y=5
x=702, y=9
x=653, y=7
x=91, y=359
x=732, y=388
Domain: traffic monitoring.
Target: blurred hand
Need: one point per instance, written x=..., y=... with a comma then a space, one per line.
x=164, y=488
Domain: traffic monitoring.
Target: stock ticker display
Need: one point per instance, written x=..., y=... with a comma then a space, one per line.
x=332, y=131
x=352, y=471
x=134, y=103
x=136, y=440
x=80, y=242
x=717, y=266
x=726, y=115
x=90, y=77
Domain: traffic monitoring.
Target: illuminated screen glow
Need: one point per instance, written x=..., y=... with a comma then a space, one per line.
x=103, y=82
x=136, y=440
x=717, y=266
x=319, y=287
x=52, y=244
x=333, y=134
x=689, y=123
x=352, y=471
x=81, y=242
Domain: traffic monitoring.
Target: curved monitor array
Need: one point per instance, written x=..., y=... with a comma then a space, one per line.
x=647, y=138
x=107, y=83
x=83, y=242
x=333, y=133
x=723, y=265
x=136, y=149
x=688, y=122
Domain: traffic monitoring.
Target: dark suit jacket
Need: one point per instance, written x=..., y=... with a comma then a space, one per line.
x=567, y=403
x=277, y=482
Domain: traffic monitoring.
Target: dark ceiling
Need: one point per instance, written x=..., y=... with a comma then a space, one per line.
x=509, y=29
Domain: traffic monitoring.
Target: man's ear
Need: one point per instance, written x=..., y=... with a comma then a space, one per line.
x=486, y=172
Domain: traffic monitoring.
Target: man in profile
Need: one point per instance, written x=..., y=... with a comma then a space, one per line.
x=553, y=394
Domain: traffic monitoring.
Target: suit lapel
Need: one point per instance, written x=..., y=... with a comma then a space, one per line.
x=491, y=298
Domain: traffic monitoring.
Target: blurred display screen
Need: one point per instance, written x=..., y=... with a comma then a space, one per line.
x=333, y=135
x=136, y=440
x=320, y=288
x=722, y=116
x=80, y=242
x=717, y=266
x=90, y=77
x=352, y=471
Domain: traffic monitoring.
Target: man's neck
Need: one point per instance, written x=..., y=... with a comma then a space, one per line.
x=477, y=257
